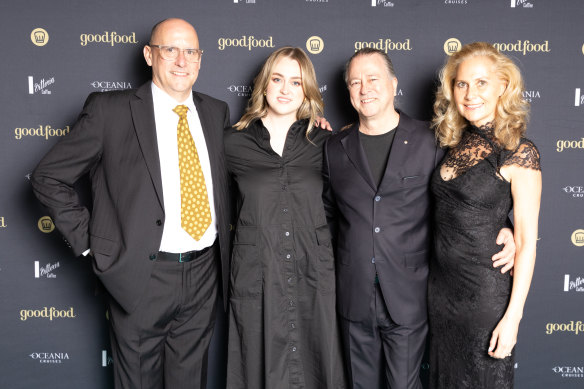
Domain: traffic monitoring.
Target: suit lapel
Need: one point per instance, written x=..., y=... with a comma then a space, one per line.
x=356, y=155
x=400, y=148
x=142, y=109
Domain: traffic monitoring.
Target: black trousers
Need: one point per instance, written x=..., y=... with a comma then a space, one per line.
x=164, y=342
x=380, y=353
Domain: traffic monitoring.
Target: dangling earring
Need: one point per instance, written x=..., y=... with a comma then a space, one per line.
x=265, y=93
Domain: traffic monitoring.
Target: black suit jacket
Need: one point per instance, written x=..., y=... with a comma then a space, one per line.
x=114, y=139
x=383, y=229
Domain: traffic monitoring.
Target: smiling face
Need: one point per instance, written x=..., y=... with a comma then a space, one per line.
x=477, y=89
x=175, y=77
x=371, y=86
x=284, y=93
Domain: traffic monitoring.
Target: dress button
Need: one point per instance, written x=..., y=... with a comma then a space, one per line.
x=290, y=279
x=158, y=222
x=285, y=210
x=284, y=187
x=288, y=256
x=377, y=198
x=287, y=233
x=293, y=349
x=377, y=229
x=372, y=260
x=292, y=325
x=152, y=257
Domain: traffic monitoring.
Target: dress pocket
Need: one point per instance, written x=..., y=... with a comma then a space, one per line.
x=246, y=273
x=326, y=262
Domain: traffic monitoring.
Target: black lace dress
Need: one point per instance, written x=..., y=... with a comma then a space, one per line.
x=467, y=296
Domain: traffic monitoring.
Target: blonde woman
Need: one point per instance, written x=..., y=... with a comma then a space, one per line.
x=490, y=168
x=282, y=325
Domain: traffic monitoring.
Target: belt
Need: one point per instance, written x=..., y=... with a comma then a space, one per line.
x=181, y=257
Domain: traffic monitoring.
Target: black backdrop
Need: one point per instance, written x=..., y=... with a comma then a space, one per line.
x=54, y=53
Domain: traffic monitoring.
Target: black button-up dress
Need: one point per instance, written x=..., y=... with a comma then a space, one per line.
x=282, y=325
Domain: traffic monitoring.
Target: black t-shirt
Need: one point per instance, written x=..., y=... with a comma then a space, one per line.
x=376, y=148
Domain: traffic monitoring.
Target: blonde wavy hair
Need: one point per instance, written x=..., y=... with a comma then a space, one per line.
x=512, y=112
x=311, y=108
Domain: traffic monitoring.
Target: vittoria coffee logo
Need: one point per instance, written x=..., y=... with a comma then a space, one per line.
x=241, y=90
x=2, y=222
x=41, y=132
x=47, y=313
x=531, y=95
x=574, y=191
x=578, y=98
x=451, y=46
x=578, y=238
x=39, y=36
x=386, y=44
x=46, y=271
x=314, y=44
x=381, y=3
x=106, y=359
x=104, y=86
x=562, y=145
x=40, y=86
x=573, y=284
x=521, y=3
x=50, y=357
x=110, y=38
x=577, y=327
x=45, y=224
x=523, y=47
x=316, y=1
x=569, y=371
x=244, y=1
x=246, y=41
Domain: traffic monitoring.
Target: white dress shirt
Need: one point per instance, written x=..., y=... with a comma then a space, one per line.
x=174, y=238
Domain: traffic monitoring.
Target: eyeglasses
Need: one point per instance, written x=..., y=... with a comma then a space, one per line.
x=170, y=53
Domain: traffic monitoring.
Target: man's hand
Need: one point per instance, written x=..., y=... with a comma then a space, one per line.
x=323, y=123
x=505, y=257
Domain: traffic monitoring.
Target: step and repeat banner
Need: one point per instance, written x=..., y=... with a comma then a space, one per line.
x=53, y=319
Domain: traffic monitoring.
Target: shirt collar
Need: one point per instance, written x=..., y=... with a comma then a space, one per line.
x=165, y=101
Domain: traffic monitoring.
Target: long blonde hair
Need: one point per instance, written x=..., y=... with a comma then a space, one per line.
x=311, y=108
x=512, y=112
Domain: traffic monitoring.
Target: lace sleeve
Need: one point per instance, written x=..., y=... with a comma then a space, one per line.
x=526, y=155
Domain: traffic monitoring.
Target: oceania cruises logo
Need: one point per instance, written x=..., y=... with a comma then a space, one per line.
x=46, y=271
x=573, y=284
x=40, y=85
x=240, y=90
x=569, y=371
x=574, y=190
x=104, y=86
x=49, y=357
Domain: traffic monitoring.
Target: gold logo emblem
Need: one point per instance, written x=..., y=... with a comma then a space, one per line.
x=39, y=36
x=314, y=44
x=451, y=46
x=46, y=224
x=578, y=238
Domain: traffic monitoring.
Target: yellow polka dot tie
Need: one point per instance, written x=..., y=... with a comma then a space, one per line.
x=195, y=213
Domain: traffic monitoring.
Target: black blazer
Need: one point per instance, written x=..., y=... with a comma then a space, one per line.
x=114, y=139
x=383, y=229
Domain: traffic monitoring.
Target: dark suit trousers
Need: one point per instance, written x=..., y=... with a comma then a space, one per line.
x=164, y=342
x=380, y=353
